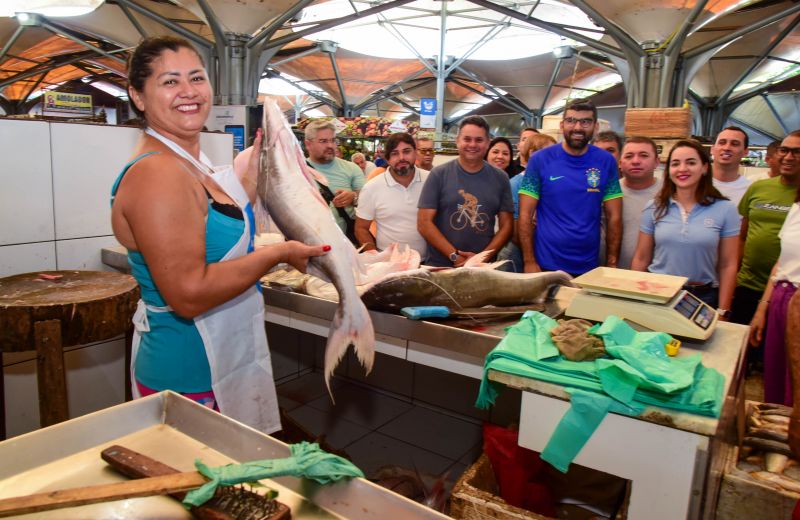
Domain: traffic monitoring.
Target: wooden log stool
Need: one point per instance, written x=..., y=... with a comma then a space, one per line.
x=46, y=311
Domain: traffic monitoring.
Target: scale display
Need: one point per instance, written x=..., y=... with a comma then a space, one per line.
x=678, y=313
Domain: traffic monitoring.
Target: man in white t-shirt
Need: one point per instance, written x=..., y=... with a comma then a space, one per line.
x=637, y=164
x=390, y=199
x=728, y=150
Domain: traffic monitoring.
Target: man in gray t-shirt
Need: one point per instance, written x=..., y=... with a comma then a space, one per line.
x=461, y=199
x=637, y=164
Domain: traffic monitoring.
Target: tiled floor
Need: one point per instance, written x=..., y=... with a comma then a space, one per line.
x=377, y=429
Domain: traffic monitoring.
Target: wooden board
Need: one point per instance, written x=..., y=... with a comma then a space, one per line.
x=659, y=122
x=91, y=305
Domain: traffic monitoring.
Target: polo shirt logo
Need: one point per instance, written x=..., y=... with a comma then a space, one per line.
x=593, y=179
x=709, y=222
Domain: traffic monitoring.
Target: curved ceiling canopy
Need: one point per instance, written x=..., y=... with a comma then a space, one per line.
x=391, y=34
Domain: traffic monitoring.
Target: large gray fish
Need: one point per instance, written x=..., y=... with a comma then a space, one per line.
x=460, y=288
x=286, y=186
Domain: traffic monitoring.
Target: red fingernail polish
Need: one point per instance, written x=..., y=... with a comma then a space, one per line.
x=326, y=248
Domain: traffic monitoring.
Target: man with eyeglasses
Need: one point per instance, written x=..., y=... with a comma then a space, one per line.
x=517, y=164
x=461, y=200
x=425, y=153
x=763, y=208
x=345, y=179
x=728, y=150
x=568, y=187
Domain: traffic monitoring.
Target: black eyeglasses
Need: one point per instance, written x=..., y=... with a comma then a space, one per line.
x=783, y=151
x=586, y=121
x=425, y=151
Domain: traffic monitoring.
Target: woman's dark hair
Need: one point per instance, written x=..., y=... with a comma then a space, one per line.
x=505, y=142
x=705, y=194
x=139, y=65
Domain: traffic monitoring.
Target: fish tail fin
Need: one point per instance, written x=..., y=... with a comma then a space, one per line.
x=478, y=259
x=349, y=328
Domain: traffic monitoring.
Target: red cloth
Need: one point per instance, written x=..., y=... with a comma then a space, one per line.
x=519, y=471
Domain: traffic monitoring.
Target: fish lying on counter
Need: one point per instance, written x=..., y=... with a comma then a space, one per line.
x=286, y=186
x=474, y=285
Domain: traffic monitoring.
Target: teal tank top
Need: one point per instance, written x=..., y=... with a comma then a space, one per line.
x=171, y=355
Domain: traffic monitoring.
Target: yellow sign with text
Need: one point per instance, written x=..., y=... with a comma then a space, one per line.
x=75, y=104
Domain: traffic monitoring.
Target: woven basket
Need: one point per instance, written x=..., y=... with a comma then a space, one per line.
x=475, y=497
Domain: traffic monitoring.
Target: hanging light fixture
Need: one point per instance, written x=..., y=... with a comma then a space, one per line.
x=53, y=8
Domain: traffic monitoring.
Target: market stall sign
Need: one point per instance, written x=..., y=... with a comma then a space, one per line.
x=67, y=104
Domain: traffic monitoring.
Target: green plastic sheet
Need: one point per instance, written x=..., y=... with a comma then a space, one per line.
x=307, y=460
x=636, y=373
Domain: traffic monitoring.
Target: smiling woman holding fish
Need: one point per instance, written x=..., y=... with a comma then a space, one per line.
x=188, y=227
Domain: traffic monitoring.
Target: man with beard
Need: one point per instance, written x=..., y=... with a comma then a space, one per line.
x=568, y=187
x=461, y=200
x=728, y=150
x=345, y=179
x=390, y=200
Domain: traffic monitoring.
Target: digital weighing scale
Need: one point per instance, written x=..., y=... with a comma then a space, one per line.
x=655, y=301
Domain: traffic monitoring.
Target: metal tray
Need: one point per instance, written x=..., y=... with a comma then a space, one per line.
x=634, y=285
x=176, y=431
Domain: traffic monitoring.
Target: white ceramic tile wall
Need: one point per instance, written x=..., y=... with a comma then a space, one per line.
x=23, y=258
x=26, y=197
x=84, y=163
x=82, y=187
x=95, y=380
x=84, y=253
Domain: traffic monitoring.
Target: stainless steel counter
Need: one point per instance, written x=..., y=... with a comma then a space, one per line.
x=176, y=431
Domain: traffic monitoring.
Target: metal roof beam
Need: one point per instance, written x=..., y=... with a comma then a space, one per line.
x=221, y=45
x=333, y=22
x=621, y=37
x=270, y=29
x=297, y=85
x=339, y=84
x=374, y=100
x=11, y=41
x=371, y=99
x=760, y=58
x=555, y=28
x=494, y=31
x=60, y=32
x=775, y=113
x=553, y=77
x=596, y=63
x=293, y=57
x=484, y=94
x=46, y=67
x=129, y=15
x=724, y=40
x=383, y=22
x=518, y=106
x=189, y=35
x=677, y=39
x=751, y=127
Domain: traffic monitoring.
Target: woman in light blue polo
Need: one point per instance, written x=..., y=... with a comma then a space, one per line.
x=690, y=229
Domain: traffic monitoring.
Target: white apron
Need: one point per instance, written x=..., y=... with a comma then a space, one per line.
x=232, y=333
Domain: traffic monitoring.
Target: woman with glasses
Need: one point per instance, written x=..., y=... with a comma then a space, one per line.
x=690, y=229
x=782, y=285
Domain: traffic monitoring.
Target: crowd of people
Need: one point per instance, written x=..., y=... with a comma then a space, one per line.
x=188, y=226
x=596, y=199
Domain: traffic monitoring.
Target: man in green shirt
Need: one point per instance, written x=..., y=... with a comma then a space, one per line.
x=763, y=208
x=345, y=179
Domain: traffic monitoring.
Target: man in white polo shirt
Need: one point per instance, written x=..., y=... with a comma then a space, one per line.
x=390, y=199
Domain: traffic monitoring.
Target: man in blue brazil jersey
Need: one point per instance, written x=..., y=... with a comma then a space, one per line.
x=568, y=187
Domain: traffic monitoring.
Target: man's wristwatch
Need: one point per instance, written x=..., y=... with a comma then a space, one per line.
x=355, y=199
x=454, y=256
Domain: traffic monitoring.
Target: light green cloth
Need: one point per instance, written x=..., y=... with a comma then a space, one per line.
x=636, y=373
x=587, y=410
x=307, y=460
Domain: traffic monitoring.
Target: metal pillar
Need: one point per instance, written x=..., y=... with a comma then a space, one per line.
x=237, y=54
x=441, y=74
